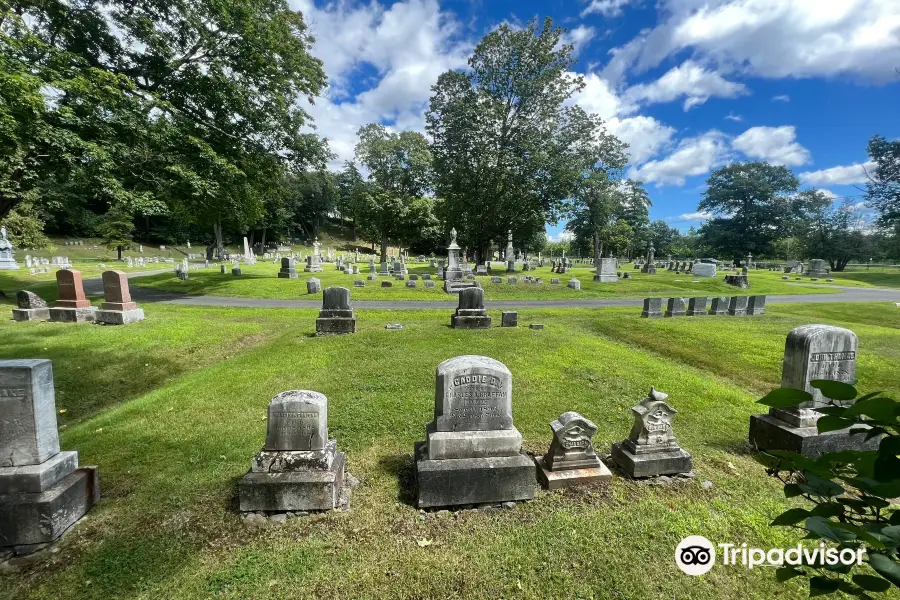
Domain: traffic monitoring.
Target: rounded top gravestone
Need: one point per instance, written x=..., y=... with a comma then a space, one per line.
x=298, y=421
x=814, y=352
x=472, y=393
x=336, y=298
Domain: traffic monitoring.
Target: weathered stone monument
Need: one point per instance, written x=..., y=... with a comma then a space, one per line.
x=675, y=307
x=737, y=307
x=651, y=448
x=756, y=305
x=606, y=271
x=739, y=281
x=298, y=468
x=470, y=313
x=719, y=305
x=30, y=307
x=817, y=268
x=703, y=270
x=510, y=254
x=509, y=318
x=696, y=307
x=43, y=492
x=811, y=352
x=649, y=267
x=313, y=286
x=652, y=308
x=117, y=308
x=336, y=316
x=313, y=261
x=288, y=269
x=72, y=305
x=472, y=453
x=453, y=272
x=571, y=459
x=7, y=262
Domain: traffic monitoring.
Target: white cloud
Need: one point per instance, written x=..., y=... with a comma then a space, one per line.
x=607, y=8
x=694, y=216
x=689, y=80
x=408, y=45
x=645, y=136
x=734, y=117
x=828, y=194
x=772, y=38
x=781, y=98
x=579, y=37
x=562, y=236
x=844, y=175
x=693, y=156
x=776, y=145
x=599, y=97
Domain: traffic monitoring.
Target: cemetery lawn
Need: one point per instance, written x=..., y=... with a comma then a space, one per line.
x=261, y=281
x=172, y=410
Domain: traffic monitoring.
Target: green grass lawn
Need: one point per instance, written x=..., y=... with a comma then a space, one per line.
x=173, y=438
x=260, y=281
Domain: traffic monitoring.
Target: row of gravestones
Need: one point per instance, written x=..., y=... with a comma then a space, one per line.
x=472, y=454
x=73, y=307
x=735, y=306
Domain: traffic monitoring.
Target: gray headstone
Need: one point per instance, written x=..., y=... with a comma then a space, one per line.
x=298, y=420
x=471, y=299
x=28, y=434
x=313, y=286
x=509, y=319
x=336, y=298
x=473, y=393
x=652, y=308
x=29, y=300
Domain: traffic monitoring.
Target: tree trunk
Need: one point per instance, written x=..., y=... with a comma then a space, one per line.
x=384, y=245
x=263, y=243
x=353, y=229
x=220, y=246
x=598, y=249
x=119, y=250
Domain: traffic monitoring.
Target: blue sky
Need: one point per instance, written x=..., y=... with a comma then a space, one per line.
x=690, y=84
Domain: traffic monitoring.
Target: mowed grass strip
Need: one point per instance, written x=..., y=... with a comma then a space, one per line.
x=261, y=281
x=170, y=460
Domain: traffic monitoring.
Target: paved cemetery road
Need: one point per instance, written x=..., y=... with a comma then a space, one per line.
x=95, y=287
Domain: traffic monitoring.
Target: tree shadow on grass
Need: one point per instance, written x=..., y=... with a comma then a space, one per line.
x=401, y=466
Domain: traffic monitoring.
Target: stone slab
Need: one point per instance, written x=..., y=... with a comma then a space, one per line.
x=464, y=322
x=554, y=480
x=445, y=445
x=42, y=518
x=509, y=319
x=28, y=433
x=337, y=326
x=466, y=481
x=34, y=479
x=31, y=314
x=119, y=317
x=309, y=489
x=73, y=315
x=651, y=464
x=770, y=433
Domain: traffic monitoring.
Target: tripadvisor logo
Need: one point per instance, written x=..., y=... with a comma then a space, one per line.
x=696, y=555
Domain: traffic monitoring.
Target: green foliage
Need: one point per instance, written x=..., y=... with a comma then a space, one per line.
x=597, y=209
x=883, y=188
x=25, y=227
x=400, y=172
x=849, y=491
x=834, y=234
x=755, y=201
x=508, y=151
x=116, y=228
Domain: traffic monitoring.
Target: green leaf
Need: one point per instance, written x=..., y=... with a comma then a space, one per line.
x=785, y=398
x=887, y=568
x=880, y=409
x=784, y=573
x=820, y=486
x=892, y=534
x=792, y=490
x=823, y=528
x=835, y=390
x=791, y=517
x=822, y=586
x=833, y=423
x=870, y=583
x=828, y=509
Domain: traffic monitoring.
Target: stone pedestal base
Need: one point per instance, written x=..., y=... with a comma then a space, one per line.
x=282, y=275
x=451, y=445
x=31, y=314
x=335, y=325
x=770, y=433
x=312, y=270
x=27, y=519
x=466, y=322
x=34, y=479
x=119, y=317
x=606, y=278
x=455, y=286
x=649, y=270
x=304, y=489
x=554, y=480
x=666, y=462
x=372, y=277
x=464, y=481
x=73, y=315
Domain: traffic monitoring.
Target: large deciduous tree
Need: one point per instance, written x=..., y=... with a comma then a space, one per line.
x=835, y=234
x=508, y=146
x=754, y=206
x=400, y=172
x=186, y=106
x=883, y=188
